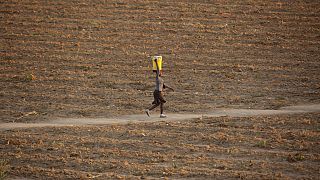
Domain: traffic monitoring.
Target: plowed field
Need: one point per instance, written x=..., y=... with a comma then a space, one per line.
x=90, y=58
x=263, y=147
x=75, y=59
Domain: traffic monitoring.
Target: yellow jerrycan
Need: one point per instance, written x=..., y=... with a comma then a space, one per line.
x=159, y=62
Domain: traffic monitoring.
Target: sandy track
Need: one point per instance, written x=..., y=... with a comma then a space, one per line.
x=171, y=117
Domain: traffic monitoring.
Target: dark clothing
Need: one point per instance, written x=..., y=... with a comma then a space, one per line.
x=158, y=97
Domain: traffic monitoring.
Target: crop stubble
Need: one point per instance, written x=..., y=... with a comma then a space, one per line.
x=73, y=59
x=90, y=58
x=262, y=147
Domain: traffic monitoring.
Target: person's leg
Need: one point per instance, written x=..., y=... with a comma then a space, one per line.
x=161, y=108
x=151, y=108
x=155, y=103
x=154, y=106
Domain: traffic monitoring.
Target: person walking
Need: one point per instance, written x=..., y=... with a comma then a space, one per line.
x=158, y=93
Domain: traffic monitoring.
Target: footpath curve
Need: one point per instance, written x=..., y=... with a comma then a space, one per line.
x=155, y=117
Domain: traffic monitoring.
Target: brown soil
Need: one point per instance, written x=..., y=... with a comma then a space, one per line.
x=155, y=117
x=89, y=59
x=260, y=147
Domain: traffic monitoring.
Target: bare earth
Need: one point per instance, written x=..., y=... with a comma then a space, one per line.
x=258, y=147
x=70, y=68
x=90, y=58
x=155, y=118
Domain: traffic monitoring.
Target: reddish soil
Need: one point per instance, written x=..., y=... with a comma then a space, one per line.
x=89, y=59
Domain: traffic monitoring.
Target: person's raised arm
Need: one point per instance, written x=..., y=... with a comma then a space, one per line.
x=158, y=71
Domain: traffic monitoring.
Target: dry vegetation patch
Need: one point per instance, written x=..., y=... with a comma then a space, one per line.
x=90, y=59
x=263, y=147
x=80, y=58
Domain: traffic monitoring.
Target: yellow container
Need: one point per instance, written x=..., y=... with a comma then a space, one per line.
x=159, y=62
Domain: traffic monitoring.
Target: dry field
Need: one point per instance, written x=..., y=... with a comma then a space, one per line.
x=91, y=59
x=262, y=147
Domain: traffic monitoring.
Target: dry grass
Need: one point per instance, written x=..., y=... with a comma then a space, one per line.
x=266, y=147
x=91, y=59
x=4, y=168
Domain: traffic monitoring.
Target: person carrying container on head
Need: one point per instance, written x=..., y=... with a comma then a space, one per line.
x=158, y=93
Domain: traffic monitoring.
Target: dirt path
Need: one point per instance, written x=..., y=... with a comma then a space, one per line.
x=171, y=117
